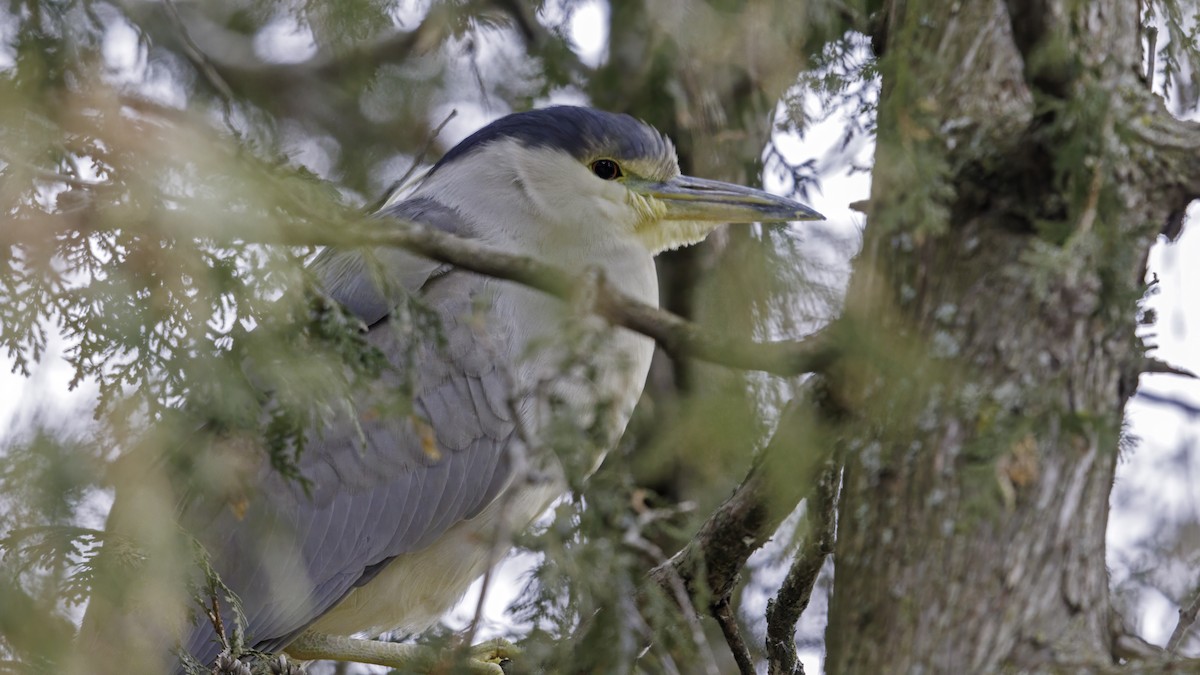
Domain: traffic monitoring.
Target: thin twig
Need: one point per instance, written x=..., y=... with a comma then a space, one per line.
x=427, y=147
x=501, y=538
x=1160, y=366
x=1187, y=616
x=412, y=168
x=477, y=618
x=675, y=334
x=723, y=613
x=473, y=59
x=634, y=539
x=205, y=65
x=232, y=60
x=1151, y=55
x=522, y=471
x=214, y=614
x=537, y=38
x=1190, y=409
x=783, y=612
x=48, y=175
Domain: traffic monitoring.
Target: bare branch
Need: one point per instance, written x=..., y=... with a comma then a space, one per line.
x=676, y=335
x=538, y=38
x=198, y=58
x=228, y=62
x=1157, y=666
x=324, y=68
x=784, y=611
x=1187, y=616
x=634, y=539
x=1186, y=408
x=412, y=168
x=1162, y=367
x=1130, y=647
x=714, y=557
x=723, y=613
x=311, y=91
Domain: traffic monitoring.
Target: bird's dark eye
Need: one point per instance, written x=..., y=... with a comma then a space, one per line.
x=606, y=169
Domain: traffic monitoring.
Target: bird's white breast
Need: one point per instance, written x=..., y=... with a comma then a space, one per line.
x=416, y=589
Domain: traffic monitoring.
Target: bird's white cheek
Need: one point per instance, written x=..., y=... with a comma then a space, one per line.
x=613, y=207
x=550, y=180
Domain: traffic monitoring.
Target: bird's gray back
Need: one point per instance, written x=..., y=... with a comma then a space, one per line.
x=385, y=481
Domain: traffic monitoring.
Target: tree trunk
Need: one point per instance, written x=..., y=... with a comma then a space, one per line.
x=995, y=304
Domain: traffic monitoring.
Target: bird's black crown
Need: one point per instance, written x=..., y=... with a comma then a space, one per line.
x=584, y=133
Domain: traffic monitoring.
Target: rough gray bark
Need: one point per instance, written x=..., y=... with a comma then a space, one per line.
x=1000, y=274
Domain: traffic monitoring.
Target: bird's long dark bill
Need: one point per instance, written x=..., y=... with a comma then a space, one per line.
x=688, y=198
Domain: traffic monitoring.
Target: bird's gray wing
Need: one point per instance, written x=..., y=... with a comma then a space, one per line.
x=383, y=483
x=351, y=276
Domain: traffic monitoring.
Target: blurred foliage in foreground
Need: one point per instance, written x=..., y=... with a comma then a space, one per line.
x=166, y=170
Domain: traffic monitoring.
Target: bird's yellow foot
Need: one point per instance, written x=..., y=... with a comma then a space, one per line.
x=498, y=652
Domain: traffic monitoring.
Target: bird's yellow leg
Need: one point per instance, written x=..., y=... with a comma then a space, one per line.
x=310, y=646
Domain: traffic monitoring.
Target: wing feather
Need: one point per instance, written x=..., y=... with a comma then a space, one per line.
x=294, y=555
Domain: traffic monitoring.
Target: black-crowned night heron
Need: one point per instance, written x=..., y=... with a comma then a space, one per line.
x=404, y=510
